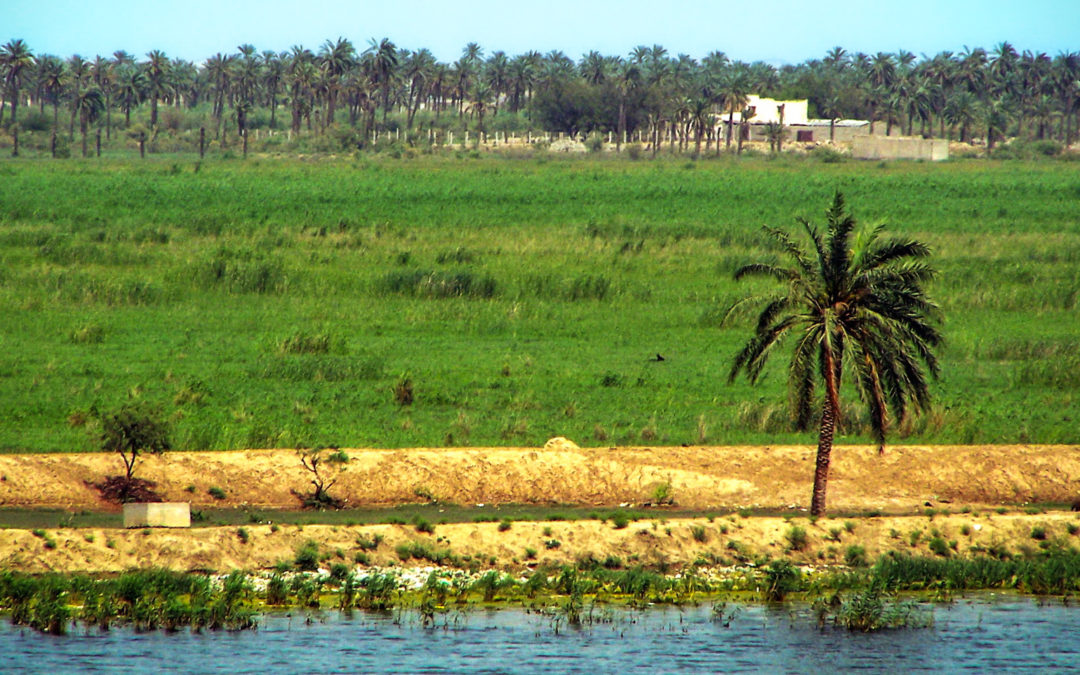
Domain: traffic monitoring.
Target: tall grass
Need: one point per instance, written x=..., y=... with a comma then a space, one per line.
x=509, y=291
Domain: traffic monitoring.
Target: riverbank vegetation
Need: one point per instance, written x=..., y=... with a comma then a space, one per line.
x=855, y=598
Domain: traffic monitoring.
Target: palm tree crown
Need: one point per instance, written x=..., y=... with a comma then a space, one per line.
x=853, y=304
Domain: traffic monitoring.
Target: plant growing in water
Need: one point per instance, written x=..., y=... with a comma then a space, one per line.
x=854, y=306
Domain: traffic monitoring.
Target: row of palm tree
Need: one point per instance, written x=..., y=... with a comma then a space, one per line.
x=650, y=92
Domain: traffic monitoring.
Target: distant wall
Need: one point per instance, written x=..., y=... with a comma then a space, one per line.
x=817, y=133
x=887, y=147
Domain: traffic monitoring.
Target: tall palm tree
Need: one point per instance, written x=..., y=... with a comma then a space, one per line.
x=130, y=86
x=419, y=68
x=1066, y=76
x=156, y=69
x=219, y=71
x=854, y=304
x=700, y=119
x=335, y=58
x=384, y=63
x=627, y=79
x=522, y=80
x=735, y=88
x=78, y=70
x=104, y=75
x=87, y=104
x=273, y=72
x=962, y=111
x=53, y=80
x=301, y=76
x=497, y=73
x=16, y=62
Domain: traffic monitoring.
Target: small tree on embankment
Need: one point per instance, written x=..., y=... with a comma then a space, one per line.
x=132, y=432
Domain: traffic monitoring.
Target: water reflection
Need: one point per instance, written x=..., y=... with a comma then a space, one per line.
x=982, y=634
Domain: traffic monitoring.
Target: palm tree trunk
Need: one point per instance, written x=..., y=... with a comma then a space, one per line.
x=824, y=450
x=829, y=413
x=622, y=125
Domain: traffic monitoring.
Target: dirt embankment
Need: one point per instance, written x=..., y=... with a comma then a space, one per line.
x=898, y=484
x=656, y=542
x=700, y=477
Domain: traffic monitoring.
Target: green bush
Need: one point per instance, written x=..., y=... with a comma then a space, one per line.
x=855, y=556
x=938, y=546
x=797, y=538
x=307, y=556
x=619, y=520
x=781, y=578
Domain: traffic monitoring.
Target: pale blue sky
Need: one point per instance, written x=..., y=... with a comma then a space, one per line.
x=777, y=31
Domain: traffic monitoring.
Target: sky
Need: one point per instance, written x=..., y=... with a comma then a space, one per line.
x=776, y=31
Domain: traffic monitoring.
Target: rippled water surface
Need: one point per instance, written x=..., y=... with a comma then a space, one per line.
x=985, y=634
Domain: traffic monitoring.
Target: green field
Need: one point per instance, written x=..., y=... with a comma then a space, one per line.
x=278, y=302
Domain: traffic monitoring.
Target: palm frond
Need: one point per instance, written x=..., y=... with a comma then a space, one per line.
x=781, y=274
x=892, y=251
x=791, y=248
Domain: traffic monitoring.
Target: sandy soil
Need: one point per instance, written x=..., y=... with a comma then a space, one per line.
x=899, y=484
x=725, y=540
x=701, y=477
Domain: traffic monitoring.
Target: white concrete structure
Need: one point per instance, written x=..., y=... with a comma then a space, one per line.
x=157, y=514
x=767, y=110
x=899, y=147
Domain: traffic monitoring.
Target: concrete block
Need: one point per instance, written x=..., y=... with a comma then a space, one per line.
x=157, y=514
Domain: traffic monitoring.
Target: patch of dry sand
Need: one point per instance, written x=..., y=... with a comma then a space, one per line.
x=701, y=477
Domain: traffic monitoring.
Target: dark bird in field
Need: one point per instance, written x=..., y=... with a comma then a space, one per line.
x=657, y=358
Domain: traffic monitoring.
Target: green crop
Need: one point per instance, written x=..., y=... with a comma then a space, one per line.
x=278, y=303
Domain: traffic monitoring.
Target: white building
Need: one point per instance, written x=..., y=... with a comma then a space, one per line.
x=767, y=110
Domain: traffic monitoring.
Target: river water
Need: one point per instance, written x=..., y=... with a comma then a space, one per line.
x=984, y=634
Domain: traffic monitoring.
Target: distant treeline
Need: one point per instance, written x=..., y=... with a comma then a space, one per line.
x=647, y=94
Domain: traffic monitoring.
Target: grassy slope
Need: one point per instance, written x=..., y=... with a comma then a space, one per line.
x=143, y=280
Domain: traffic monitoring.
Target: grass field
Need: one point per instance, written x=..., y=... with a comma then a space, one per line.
x=278, y=303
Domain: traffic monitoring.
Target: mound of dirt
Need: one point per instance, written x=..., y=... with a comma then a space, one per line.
x=695, y=477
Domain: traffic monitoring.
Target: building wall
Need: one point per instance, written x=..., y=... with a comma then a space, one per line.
x=887, y=147
x=767, y=110
x=820, y=134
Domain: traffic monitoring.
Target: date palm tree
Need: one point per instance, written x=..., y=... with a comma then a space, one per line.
x=156, y=69
x=53, y=80
x=335, y=59
x=105, y=79
x=130, y=85
x=273, y=73
x=384, y=62
x=16, y=62
x=419, y=67
x=87, y=103
x=854, y=305
x=735, y=88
